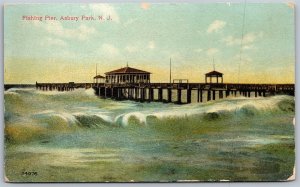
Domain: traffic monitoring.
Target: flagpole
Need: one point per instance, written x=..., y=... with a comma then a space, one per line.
x=96, y=69
x=170, y=71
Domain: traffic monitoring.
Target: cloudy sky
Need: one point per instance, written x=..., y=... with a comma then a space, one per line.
x=147, y=36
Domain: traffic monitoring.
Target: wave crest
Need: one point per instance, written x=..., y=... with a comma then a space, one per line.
x=29, y=110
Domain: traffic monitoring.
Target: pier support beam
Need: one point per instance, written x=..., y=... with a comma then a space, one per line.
x=227, y=93
x=132, y=93
x=136, y=93
x=201, y=96
x=145, y=93
x=142, y=94
x=129, y=93
x=220, y=94
x=208, y=95
x=119, y=93
x=214, y=94
x=189, y=95
x=151, y=94
x=160, y=94
x=242, y=93
x=139, y=93
x=99, y=91
x=113, y=95
x=169, y=95
x=179, y=96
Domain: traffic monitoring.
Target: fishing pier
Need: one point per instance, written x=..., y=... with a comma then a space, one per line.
x=134, y=84
x=179, y=93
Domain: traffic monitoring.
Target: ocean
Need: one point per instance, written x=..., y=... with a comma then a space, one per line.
x=76, y=136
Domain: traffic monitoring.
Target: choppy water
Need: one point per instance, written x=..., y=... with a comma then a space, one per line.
x=76, y=136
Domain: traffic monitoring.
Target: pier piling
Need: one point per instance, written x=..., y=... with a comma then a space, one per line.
x=214, y=94
x=178, y=96
x=160, y=94
x=220, y=94
x=169, y=95
x=208, y=95
x=189, y=95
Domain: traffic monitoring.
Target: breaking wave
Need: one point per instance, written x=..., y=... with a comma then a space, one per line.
x=33, y=114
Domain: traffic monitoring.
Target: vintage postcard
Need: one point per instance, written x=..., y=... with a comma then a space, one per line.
x=141, y=92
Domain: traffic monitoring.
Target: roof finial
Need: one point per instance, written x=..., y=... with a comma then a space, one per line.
x=214, y=64
x=127, y=63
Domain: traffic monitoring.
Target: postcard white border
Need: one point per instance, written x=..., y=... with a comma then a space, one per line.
x=229, y=184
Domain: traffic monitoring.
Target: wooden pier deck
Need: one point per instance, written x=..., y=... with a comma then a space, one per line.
x=173, y=92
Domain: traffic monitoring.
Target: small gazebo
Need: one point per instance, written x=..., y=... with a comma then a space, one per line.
x=99, y=79
x=214, y=74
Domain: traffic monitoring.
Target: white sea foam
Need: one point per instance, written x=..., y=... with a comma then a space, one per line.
x=90, y=92
x=9, y=92
x=68, y=118
x=138, y=115
x=120, y=112
x=105, y=118
x=217, y=106
x=90, y=114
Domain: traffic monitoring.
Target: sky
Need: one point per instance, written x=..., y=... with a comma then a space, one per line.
x=256, y=48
